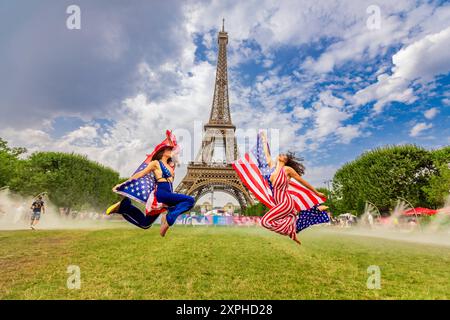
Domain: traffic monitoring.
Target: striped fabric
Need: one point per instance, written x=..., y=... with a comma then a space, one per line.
x=304, y=198
x=252, y=170
x=281, y=217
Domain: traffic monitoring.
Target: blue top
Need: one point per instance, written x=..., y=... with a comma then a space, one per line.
x=165, y=172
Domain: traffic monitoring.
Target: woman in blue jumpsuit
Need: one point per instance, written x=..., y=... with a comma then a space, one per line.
x=177, y=203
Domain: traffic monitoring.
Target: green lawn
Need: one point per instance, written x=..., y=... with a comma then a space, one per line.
x=217, y=263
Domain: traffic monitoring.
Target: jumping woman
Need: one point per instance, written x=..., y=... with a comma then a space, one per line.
x=152, y=184
x=281, y=188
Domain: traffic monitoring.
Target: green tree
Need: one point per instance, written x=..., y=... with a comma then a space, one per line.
x=333, y=205
x=258, y=209
x=381, y=176
x=70, y=180
x=9, y=162
x=441, y=156
x=438, y=188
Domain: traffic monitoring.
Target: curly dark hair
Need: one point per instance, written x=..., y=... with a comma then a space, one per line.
x=159, y=154
x=295, y=162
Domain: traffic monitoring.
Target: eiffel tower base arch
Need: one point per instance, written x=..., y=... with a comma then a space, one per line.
x=202, y=179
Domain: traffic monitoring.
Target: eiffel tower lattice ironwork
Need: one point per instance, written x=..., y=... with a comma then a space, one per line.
x=206, y=174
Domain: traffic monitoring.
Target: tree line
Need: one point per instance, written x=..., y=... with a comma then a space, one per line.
x=385, y=174
x=70, y=180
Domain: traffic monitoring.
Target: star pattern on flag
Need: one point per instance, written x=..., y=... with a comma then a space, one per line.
x=140, y=189
x=311, y=217
x=258, y=152
x=260, y=156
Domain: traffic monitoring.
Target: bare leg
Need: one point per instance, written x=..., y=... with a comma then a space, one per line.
x=164, y=226
x=34, y=222
x=296, y=239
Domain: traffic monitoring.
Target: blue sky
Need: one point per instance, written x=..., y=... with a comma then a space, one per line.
x=333, y=81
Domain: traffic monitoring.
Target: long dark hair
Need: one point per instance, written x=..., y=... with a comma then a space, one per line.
x=295, y=163
x=159, y=154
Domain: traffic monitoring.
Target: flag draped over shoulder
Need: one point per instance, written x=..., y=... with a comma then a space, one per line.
x=143, y=189
x=254, y=172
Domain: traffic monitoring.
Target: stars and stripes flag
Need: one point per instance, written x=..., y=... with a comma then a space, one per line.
x=143, y=190
x=254, y=172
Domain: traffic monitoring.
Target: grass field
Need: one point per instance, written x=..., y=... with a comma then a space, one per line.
x=217, y=263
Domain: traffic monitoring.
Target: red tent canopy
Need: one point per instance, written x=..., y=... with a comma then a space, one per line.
x=419, y=211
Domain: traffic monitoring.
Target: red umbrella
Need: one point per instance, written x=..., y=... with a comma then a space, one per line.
x=419, y=211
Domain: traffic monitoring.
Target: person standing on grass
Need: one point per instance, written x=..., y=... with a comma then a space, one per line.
x=37, y=208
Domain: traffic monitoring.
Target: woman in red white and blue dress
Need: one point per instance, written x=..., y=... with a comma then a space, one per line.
x=294, y=205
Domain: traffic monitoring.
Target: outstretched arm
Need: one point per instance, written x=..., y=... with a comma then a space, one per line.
x=292, y=173
x=266, y=150
x=151, y=167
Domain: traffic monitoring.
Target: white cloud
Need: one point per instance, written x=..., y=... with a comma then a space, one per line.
x=138, y=125
x=431, y=113
x=329, y=114
x=50, y=72
x=327, y=98
x=402, y=22
x=83, y=136
x=317, y=175
x=420, y=61
x=386, y=89
x=302, y=113
x=425, y=58
x=327, y=120
x=272, y=24
x=348, y=133
x=358, y=43
x=419, y=128
x=33, y=139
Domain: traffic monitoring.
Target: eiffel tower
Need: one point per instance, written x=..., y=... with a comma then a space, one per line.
x=206, y=174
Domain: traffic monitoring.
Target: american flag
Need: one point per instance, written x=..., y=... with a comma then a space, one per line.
x=143, y=190
x=254, y=171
